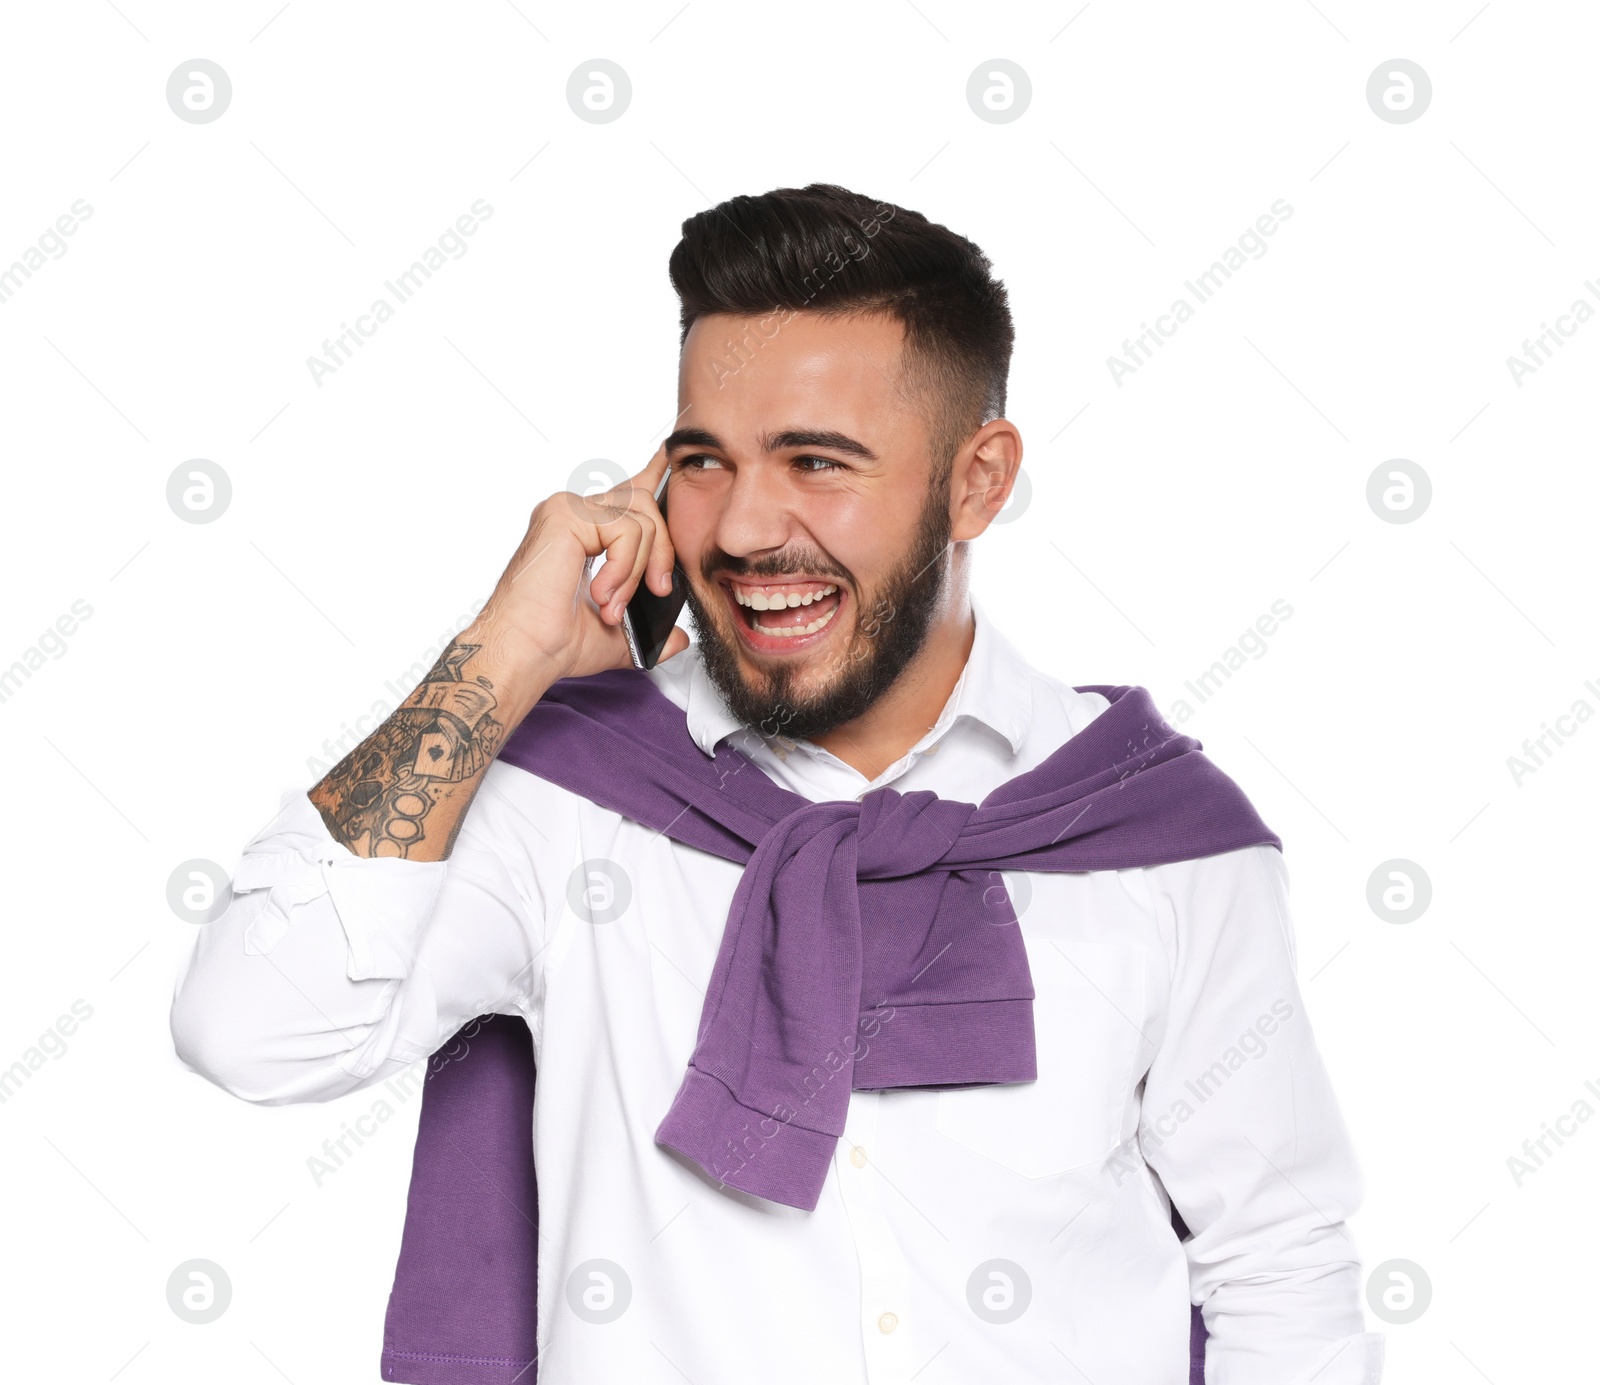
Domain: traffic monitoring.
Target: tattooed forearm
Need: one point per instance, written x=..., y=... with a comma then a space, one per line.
x=405, y=789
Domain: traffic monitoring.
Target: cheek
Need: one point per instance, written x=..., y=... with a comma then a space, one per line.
x=866, y=533
x=690, y=523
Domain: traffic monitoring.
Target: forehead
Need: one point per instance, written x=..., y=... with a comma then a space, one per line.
x=750, y=374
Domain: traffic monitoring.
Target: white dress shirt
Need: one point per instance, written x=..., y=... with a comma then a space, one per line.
x=1016, y=1233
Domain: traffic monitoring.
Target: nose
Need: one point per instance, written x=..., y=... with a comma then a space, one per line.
x=756, y=517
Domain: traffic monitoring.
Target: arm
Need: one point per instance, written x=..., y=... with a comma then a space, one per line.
x=328, y=972
x=351, y=946
x=404, y=791
x=1240, y=1122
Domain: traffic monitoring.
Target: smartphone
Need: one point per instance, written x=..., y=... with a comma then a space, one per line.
x=647, y=620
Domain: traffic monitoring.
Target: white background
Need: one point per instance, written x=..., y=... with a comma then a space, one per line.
x=1168, y=513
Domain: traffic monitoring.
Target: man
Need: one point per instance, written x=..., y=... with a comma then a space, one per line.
x=841, y=445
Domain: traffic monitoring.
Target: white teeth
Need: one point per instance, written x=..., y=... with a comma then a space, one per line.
x=790, y=631
x=762, y=600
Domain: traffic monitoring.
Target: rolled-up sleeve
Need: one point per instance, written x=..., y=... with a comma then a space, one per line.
x=327, y=972
x=1241, y=1124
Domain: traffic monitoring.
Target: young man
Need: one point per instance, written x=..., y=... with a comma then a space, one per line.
x=840, y=448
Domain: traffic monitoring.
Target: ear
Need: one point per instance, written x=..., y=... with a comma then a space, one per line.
x=981, y=477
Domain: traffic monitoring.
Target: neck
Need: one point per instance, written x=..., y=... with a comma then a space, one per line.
x=909, y=709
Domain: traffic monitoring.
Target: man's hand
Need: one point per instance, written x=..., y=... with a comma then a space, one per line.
x=541, y=623
x=405, y=789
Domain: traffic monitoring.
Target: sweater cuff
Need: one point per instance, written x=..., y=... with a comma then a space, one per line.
x=949, y=1043
x=745, y=1148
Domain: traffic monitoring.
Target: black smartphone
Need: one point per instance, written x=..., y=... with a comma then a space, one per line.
x=647, y=620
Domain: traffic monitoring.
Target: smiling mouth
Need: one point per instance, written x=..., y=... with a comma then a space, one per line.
x=781, y=617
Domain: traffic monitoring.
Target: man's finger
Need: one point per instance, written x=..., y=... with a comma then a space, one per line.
x=629, y=553
x=658, y=568
x=625, y=550
x=654, y=469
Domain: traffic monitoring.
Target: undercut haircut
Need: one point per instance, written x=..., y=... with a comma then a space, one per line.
x=827, y=250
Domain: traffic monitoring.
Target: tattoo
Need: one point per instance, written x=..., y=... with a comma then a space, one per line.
x=378, y=799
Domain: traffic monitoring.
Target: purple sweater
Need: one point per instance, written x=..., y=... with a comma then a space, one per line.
x=847, y=911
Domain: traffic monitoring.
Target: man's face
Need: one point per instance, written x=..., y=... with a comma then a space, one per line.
x=801, y=510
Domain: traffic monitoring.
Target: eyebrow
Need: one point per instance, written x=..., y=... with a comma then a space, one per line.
x=777, y=442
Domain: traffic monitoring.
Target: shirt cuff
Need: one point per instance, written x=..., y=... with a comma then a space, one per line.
x=1353, y=1360
x=383, y=904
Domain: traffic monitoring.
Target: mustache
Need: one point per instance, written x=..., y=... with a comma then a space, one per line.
x=778, y=565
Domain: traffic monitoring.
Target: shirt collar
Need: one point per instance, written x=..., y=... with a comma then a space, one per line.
x=995, y=689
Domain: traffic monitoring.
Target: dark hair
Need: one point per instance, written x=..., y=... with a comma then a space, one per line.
x=828, y=250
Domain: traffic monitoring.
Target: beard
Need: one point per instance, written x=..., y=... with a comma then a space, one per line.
x=891, y=626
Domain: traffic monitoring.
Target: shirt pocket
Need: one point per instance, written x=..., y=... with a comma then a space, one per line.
x=1088, y=1011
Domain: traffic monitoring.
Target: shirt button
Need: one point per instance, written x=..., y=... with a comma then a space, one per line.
x=887, y=1322
x=858, y=1157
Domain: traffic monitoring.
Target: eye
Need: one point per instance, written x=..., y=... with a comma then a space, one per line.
x=688, y=463
x=824, y=464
